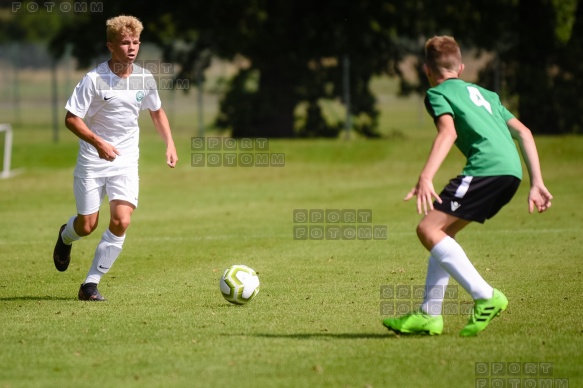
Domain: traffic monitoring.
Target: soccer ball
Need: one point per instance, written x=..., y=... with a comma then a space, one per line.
x=239, y=284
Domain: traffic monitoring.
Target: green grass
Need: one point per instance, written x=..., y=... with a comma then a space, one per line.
x=316, y=321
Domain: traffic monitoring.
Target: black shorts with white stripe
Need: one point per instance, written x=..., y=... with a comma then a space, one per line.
x=477, y=198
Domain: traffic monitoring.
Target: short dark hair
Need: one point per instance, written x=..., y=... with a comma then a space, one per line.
x=442, y=52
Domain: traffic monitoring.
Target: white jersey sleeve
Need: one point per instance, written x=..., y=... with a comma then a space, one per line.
x=152, y=99
x=80, y=101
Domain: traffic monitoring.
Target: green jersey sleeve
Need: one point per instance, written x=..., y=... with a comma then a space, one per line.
x=437, y=105
x=505, y=113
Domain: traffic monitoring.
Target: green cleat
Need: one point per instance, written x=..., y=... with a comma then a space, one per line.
x=415, y=323
x=484, y=311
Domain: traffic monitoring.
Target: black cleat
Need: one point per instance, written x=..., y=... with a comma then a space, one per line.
x=62, y=253
x=89, y=291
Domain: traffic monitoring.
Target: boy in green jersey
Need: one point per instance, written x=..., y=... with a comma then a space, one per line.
x=475, y=121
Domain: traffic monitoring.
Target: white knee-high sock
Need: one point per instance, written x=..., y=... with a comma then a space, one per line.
x=453, y=259
x=106, y=253
x=435, y=286
x=69, y=235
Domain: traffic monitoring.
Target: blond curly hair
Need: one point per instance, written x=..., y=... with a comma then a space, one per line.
x=121, y=25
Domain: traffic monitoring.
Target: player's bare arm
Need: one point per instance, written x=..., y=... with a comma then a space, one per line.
x=424, y=190
x=76, y=125
x=162, y=125
x=539, y=196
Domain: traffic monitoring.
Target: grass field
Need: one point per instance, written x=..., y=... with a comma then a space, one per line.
x=316, y=321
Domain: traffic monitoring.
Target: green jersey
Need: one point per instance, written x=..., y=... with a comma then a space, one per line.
x=480, y=123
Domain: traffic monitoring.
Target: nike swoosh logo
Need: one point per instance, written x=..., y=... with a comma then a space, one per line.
x=102, y=267
x=108, y=98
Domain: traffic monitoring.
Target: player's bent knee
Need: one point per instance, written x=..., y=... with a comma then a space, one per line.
x=120, y=225
x=427, y=234
x=422, y=230
x=87, y=229
x=85, y=226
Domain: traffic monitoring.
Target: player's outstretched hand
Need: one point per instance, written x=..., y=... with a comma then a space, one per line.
x=425, y=193
x=540, y=198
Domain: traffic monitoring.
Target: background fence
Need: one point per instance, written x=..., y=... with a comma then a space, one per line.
x=34, y=89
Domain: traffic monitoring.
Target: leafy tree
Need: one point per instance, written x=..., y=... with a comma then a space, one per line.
x=295, y=51
x=539, y=63
x=537, y=54
x=569, y=80
x=18, y=24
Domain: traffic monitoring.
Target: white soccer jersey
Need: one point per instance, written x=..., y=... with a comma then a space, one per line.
x=110, y=106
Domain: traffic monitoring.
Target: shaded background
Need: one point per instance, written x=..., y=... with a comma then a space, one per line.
x=298, y=68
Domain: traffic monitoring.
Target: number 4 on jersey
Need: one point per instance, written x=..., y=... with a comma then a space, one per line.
x=478, y=99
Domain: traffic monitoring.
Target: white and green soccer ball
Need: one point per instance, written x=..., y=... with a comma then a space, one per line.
x=239, y=284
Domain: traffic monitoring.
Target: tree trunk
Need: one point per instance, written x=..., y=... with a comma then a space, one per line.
x=279, y=101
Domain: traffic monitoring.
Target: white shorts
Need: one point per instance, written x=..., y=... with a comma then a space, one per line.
x=90, y=192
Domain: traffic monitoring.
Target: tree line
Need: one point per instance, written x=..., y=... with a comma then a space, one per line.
x=300, y=51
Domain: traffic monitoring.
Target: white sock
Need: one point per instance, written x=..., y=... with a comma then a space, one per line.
x=69, y=235
x=453, y=259
x=435, y=285
x=106, y=253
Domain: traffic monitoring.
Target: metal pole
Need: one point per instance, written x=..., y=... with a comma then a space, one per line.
x=68, y=70
x=16, y=83
x=55, y=100
x=346, y=93
x=497, y=77
x=7, y=150
x=199, y=84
